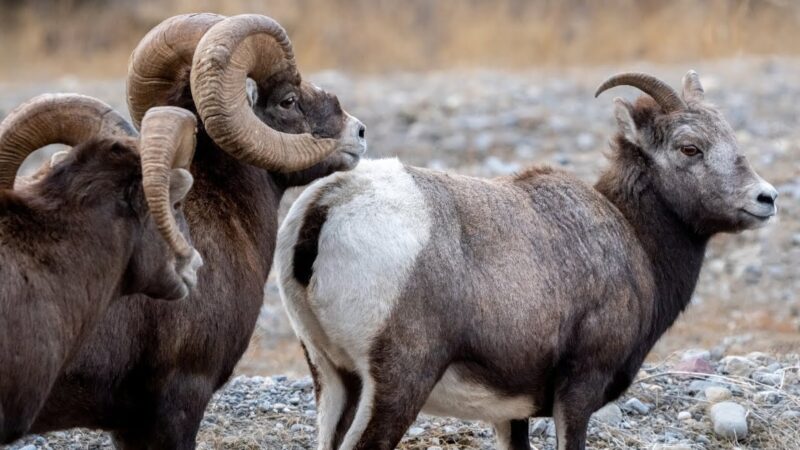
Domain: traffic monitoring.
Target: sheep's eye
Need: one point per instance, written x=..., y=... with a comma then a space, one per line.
x=288, y=102
x=690, y=150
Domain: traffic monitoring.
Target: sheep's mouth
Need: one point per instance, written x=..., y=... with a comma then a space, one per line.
x=760, y=217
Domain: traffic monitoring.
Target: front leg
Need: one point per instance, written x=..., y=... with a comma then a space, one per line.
x=512, y=435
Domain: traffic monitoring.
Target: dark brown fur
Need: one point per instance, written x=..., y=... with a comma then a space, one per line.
x=148, y=371
x=69, y=246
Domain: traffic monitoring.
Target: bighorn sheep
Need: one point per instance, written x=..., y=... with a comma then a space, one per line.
x=532, y=295
x=83, y=235
x=147, y=371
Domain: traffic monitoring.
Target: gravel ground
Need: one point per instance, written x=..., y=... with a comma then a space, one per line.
x=486, y=123
x=669, y=407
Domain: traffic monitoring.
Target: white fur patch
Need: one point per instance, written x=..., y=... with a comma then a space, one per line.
x=377, y=224
x=457, y=397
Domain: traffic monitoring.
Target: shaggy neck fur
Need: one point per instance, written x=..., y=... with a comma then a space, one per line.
x=674, y=249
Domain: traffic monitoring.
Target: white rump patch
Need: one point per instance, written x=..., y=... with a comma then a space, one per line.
x=377, y=224
x=456, y=397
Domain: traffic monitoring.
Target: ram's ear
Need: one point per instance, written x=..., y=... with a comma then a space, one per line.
x=623, y=112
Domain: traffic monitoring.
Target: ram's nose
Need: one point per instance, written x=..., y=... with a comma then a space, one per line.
x=356, y=135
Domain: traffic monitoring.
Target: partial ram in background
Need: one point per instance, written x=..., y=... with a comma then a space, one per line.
x=98, y=225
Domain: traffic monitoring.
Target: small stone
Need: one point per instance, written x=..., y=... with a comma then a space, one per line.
x=28, y=447
x=694, y=353
x=609, y=414
x=539, y=428
x=790, y=415
x=415, y=431
x=761, y=357
x=684, y=415
x=770, y=379
x=635, y=405
x=672, y=447
x=730, y=420
x=434, y=447
x=716, y=394
x=768, y=397
x=699, y=386
x=695, y=364
x=738, y=365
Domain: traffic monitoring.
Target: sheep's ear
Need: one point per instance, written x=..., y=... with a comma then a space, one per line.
x=622, y=112
x=180, y=182
x=58, y=157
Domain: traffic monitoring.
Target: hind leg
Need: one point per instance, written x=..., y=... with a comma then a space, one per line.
x=391, y=397
x=331, y=395
x=512, y=435
x=174, y=421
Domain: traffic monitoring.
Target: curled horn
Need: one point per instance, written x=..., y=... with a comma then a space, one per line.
x=231, y=51
x=167, y=143
x=54, y=119
x=158, y=67
x=661, y=92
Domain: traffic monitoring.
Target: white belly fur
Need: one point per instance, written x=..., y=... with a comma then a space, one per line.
x=456, y=397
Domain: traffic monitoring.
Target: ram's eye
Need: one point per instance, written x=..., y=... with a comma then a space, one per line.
x=690, y=150
x=288, y=102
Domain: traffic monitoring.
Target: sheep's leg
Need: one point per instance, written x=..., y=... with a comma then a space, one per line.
x=176, y=420
x=573, y=407
x=512, y=435
x=332, y=397
x=392, y=395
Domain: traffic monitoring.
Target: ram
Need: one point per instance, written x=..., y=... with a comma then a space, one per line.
x=148, y=370
x=99, y=224
x=499, y=300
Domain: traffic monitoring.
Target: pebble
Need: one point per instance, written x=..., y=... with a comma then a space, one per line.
x=609, y=414
x=716, y=394
x=770, y=379
x=28, y=447
x=635, y=405
x=694, y=353
x=738, y=365
x=415, y=431
x=695, y=364
x=672, y=447
x=730, y=420
x=768, y=397
x=684, y=415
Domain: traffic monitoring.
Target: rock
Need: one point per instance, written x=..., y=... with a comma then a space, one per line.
x=684, y=415
x=609, y=414
x=770, y=379
x=738, y=365
x=716, y=394
x=699, y=386
x=434, y=447
x=415, y=431
x=694, y=353
x=730, y=420
x=672, y=447
x=768, y=397
x=28, y=447
x=790, y=415
x=635, y=405
x=761, y=358
x=694, y=364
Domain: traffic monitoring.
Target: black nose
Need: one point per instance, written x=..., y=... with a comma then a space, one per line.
x=767, y=197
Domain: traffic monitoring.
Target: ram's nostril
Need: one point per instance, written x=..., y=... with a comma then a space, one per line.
x=362, y=131
x=766, y=198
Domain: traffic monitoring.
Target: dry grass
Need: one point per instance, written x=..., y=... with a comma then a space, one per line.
x=45, y=38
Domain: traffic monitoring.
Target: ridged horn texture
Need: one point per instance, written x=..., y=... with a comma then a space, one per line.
x=167, y=142
x=54, y=119
x=692, y=89
x=662, y=93
x=162, y=59
x=231, y=51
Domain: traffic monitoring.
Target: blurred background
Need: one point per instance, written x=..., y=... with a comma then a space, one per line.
x=485, y=87
x=42, y=38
